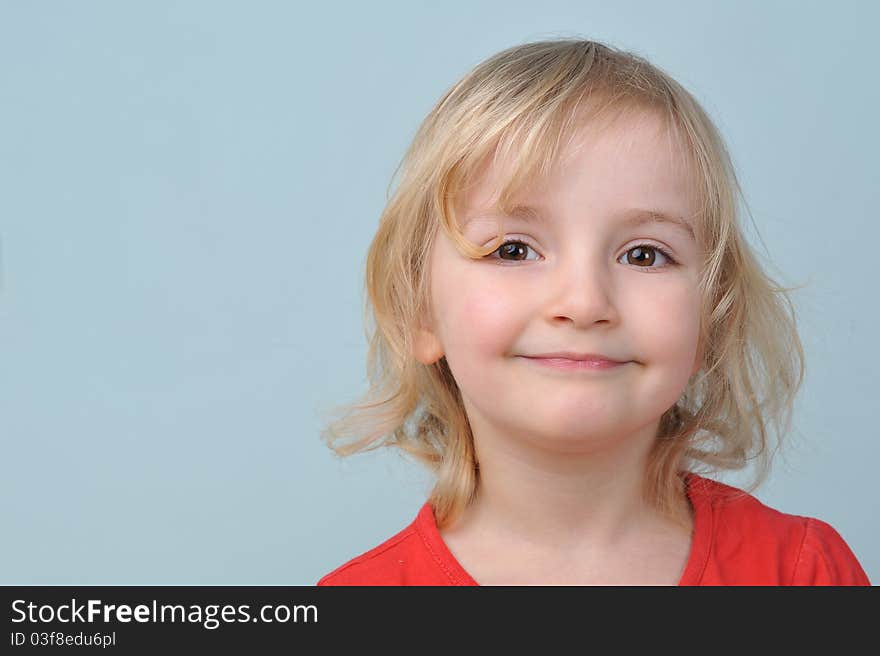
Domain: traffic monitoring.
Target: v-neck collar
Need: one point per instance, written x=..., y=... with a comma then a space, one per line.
x=698, y=555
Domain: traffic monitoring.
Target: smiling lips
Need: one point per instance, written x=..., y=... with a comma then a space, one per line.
x=571, y=355
x=570, y=360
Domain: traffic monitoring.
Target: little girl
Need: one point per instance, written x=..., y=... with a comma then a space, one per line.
x=570, y=325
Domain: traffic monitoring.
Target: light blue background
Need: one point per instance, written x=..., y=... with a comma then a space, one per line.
x=187, y=193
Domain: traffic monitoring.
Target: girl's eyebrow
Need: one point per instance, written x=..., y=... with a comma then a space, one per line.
x=638, y=217
x=631, y=217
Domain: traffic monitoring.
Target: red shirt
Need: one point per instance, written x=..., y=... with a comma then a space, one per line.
x=736, y=540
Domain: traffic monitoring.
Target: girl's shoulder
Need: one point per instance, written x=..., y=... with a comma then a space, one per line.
x=416, y=555
x=750, y=542
x=374, y=566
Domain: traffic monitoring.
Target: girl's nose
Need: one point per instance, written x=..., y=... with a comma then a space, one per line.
x=581, y=292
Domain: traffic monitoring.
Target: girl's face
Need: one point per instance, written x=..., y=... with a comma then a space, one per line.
x=581, y=278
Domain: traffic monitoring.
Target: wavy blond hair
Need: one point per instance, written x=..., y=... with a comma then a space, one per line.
x=527, y=101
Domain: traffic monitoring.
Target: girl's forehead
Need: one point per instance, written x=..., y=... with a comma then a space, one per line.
x=634, y=154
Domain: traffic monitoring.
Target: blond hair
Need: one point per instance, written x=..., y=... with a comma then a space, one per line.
x=527, y=100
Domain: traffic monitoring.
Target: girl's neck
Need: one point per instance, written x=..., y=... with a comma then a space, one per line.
x=562, y=501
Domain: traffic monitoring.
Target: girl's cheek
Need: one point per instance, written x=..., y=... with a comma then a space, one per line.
x=488, y=318
x=676, y=326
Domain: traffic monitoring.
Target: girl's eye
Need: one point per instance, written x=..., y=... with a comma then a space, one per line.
x=643, y=255
x=513, y=248
x=640, y=254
